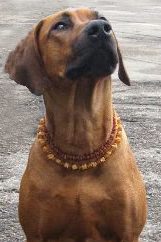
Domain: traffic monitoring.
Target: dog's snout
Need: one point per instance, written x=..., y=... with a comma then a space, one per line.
x=98, y=28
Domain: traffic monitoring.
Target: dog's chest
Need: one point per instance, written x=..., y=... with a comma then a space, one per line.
x=74, y=208
x=74, y=199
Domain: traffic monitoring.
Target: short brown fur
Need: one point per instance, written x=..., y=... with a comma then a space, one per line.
x=103, y=204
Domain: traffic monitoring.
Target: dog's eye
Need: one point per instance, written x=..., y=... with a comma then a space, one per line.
x=60, y=26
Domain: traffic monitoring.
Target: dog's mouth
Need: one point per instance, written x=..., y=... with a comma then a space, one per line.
x=92, y=60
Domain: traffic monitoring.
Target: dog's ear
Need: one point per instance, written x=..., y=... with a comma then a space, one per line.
x=122, y=73
x=25, y=66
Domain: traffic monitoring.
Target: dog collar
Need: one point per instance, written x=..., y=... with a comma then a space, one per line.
x=80, y=162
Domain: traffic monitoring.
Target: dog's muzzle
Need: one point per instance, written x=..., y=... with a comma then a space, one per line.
x=94, y=52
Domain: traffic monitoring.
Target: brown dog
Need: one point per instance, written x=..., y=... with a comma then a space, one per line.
x=81, y=183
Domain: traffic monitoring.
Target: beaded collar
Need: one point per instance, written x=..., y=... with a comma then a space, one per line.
x=80, y=162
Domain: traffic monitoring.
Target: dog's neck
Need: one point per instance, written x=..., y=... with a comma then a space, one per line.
x=80, y=118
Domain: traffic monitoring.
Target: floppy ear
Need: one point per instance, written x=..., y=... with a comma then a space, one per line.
x=25, y=65
x=123, y=76
x=122, y=73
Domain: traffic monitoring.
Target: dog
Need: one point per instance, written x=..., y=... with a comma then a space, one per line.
x=81, y=183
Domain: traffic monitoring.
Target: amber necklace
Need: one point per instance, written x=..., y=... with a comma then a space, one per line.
x=80, y=162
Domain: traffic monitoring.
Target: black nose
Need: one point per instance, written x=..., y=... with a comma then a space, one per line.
x=98, y=28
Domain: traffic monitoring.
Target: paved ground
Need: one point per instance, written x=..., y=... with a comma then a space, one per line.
x=138, y=27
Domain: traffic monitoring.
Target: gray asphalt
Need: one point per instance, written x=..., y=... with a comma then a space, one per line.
x=137, y=25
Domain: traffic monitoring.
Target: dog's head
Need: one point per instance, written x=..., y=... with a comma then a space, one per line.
x=64, y=47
